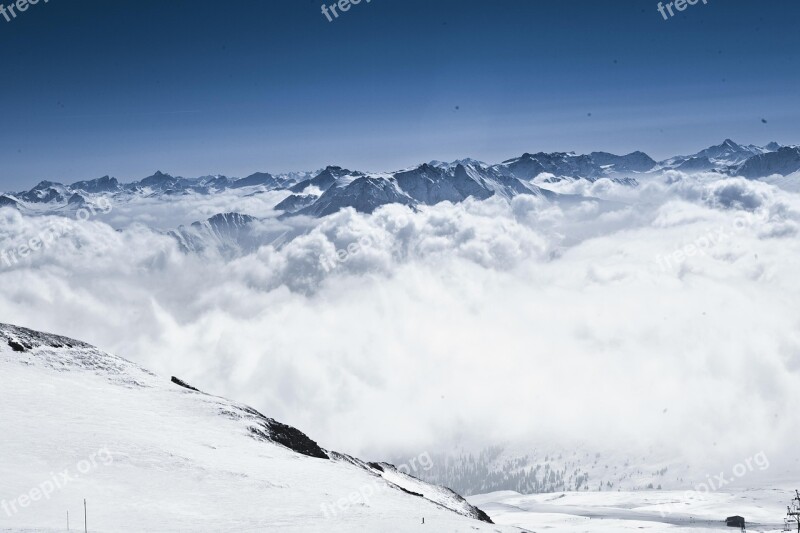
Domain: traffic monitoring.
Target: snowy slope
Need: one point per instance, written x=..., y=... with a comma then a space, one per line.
x=152, y=455
x=784, y=161
x=656, y=511
x=721, y=156
x=229, y=233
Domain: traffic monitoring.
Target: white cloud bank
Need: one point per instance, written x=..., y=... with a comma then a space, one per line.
x=474, y=323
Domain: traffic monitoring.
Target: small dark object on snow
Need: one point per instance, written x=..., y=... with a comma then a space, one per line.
x=735, y=521
x=410, y=492
x=183, y=384
x=17, y=347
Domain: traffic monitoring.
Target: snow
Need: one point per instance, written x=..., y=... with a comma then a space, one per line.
x=149, y=455
x=673, y=511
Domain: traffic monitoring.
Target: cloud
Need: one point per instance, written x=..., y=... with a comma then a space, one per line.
x=476, y=323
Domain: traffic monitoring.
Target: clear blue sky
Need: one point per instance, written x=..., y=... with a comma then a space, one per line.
x=193, y=87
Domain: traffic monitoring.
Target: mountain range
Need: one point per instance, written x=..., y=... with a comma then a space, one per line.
x=326, y=191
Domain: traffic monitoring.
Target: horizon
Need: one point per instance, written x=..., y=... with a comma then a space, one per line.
x=386, y=85
x=132, y=179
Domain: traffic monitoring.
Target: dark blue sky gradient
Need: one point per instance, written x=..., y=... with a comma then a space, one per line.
x=124, y=87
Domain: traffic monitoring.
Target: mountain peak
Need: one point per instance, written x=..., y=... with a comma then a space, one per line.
x=158, y=175
x=44, y=184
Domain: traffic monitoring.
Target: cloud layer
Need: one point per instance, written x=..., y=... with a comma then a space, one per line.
x=662, y=315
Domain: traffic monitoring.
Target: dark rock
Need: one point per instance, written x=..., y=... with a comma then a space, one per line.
x=181, y=383
x=274, y=431
x=17, y=347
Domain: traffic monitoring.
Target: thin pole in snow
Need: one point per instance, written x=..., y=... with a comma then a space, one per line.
x=85, y=524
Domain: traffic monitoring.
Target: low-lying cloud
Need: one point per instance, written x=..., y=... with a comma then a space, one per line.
x=475, y=323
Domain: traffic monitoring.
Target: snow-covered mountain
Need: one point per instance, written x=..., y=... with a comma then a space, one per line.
x=325, y=179
x=723, y=156
x=158, y=184
x=259, y=178
x=325, y=192
x=365, y=194
x=730, y=152
x=430, y=185
x=7, y=201
x=633, y=162
x=296, y=202
x=784, y=161
x=528, y=166
x=424, y=185
x=452, y=164
x=696, y=164
x=229, y=233
x=99, y=185
x=152, y=454
x=46, y=192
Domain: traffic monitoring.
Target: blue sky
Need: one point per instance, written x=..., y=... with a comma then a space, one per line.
x=195, y=87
